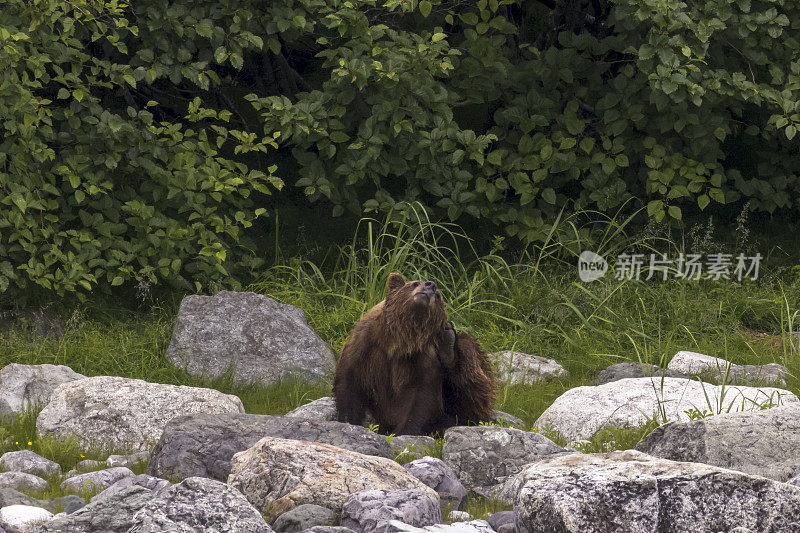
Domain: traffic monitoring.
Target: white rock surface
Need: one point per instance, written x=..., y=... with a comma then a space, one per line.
x=581, y=412
x=23, y=386
x=23, y=518
x=517, y=367
x=119, y=413
x=692, y=363
x=30, y=463
x=634, y=492
x=473, y=526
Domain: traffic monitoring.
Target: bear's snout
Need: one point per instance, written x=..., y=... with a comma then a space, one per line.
x=429, y=287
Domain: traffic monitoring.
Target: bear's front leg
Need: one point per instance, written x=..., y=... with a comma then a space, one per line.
x=447, y=347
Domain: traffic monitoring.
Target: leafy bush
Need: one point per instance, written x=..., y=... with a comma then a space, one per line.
x=139, y=140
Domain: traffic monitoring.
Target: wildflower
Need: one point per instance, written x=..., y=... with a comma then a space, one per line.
x=30, y=443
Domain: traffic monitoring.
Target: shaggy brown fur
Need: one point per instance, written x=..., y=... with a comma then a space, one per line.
x=404, y=364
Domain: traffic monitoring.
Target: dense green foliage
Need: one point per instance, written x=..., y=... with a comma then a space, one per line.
x=139, y=142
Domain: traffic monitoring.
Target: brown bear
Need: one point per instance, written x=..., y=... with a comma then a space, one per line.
x=404, y=363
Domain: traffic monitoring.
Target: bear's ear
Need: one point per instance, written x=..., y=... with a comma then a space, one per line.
x=395, y=282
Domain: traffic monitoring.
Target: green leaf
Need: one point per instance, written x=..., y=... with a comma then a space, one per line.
x=117, y=281
x=438, y=37
x=675, y=212
x=703, y=201
x=791, y=130
x=549, y=195
x=425, y=8
x=63, y=94
x=655, y=206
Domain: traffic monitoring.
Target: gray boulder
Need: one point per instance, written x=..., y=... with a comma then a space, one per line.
x=114, y=412
x=484, y=456
x=143, y=480
x=110, y=515
x=436, y=474
x=202, y=445
x=762, y=443
x=500, y=519
x=21, y=480
x=88, y=465
x=276, y=475
x=30, y=386
x=9, y=496
x=30, y=463
x=198, y=502
x=97, y=480
x=371, y=510
x=304, y=517
x=322, y=409
x=635, y=370
x=580, y=412
x=507, y=420
x=328, y=529
x=258, y=339
x=631, y=491
x=522, y=368
x=68, y=504
x=693, y=363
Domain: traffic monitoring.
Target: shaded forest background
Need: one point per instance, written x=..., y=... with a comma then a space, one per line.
x=162, y=143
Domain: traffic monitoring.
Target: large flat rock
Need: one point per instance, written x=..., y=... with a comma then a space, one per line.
x=762, y=443
x=581, y=412
x=276, y=475
x=202, y=445
x=693, y=363
x=631, y=491
x=258, y=339
x=120, y=413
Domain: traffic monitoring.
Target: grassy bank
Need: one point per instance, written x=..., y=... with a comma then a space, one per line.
x=533, y=303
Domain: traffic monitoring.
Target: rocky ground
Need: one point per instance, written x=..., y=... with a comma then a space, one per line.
x=723, y=457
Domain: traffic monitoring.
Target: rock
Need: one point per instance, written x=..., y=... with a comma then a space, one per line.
x=97, y=480
x=323, y=409
x=30, y=463
x=794, y=480
x=460, y=516
x=762, y=443
x=304, y=517
x=31, y=386
x=436, y=474
x=405, y=447
x=521, y=368
x=635, y=370
x=202, y=445
x=473, y=526
x=484, y=456
x=740, y=530
x=259, y=339
x=581, y=412
x=197, y=501
x=114, y=412
x=21, y=480
x=371, y=510
x=631, y=491
x=13, y=497
x=23, y=518
x=109, y=515
x=499, y=519
x=69, y=503
x=692, y=363
x=87, y=465
x=133, y=459
x=507, y=528
x=143, y=480
x=277, y=475
x=71, y=473
x=329, y=529
x=507, y=420
x=39, y=322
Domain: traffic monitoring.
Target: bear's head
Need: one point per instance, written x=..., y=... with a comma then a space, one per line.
x=414, y=304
